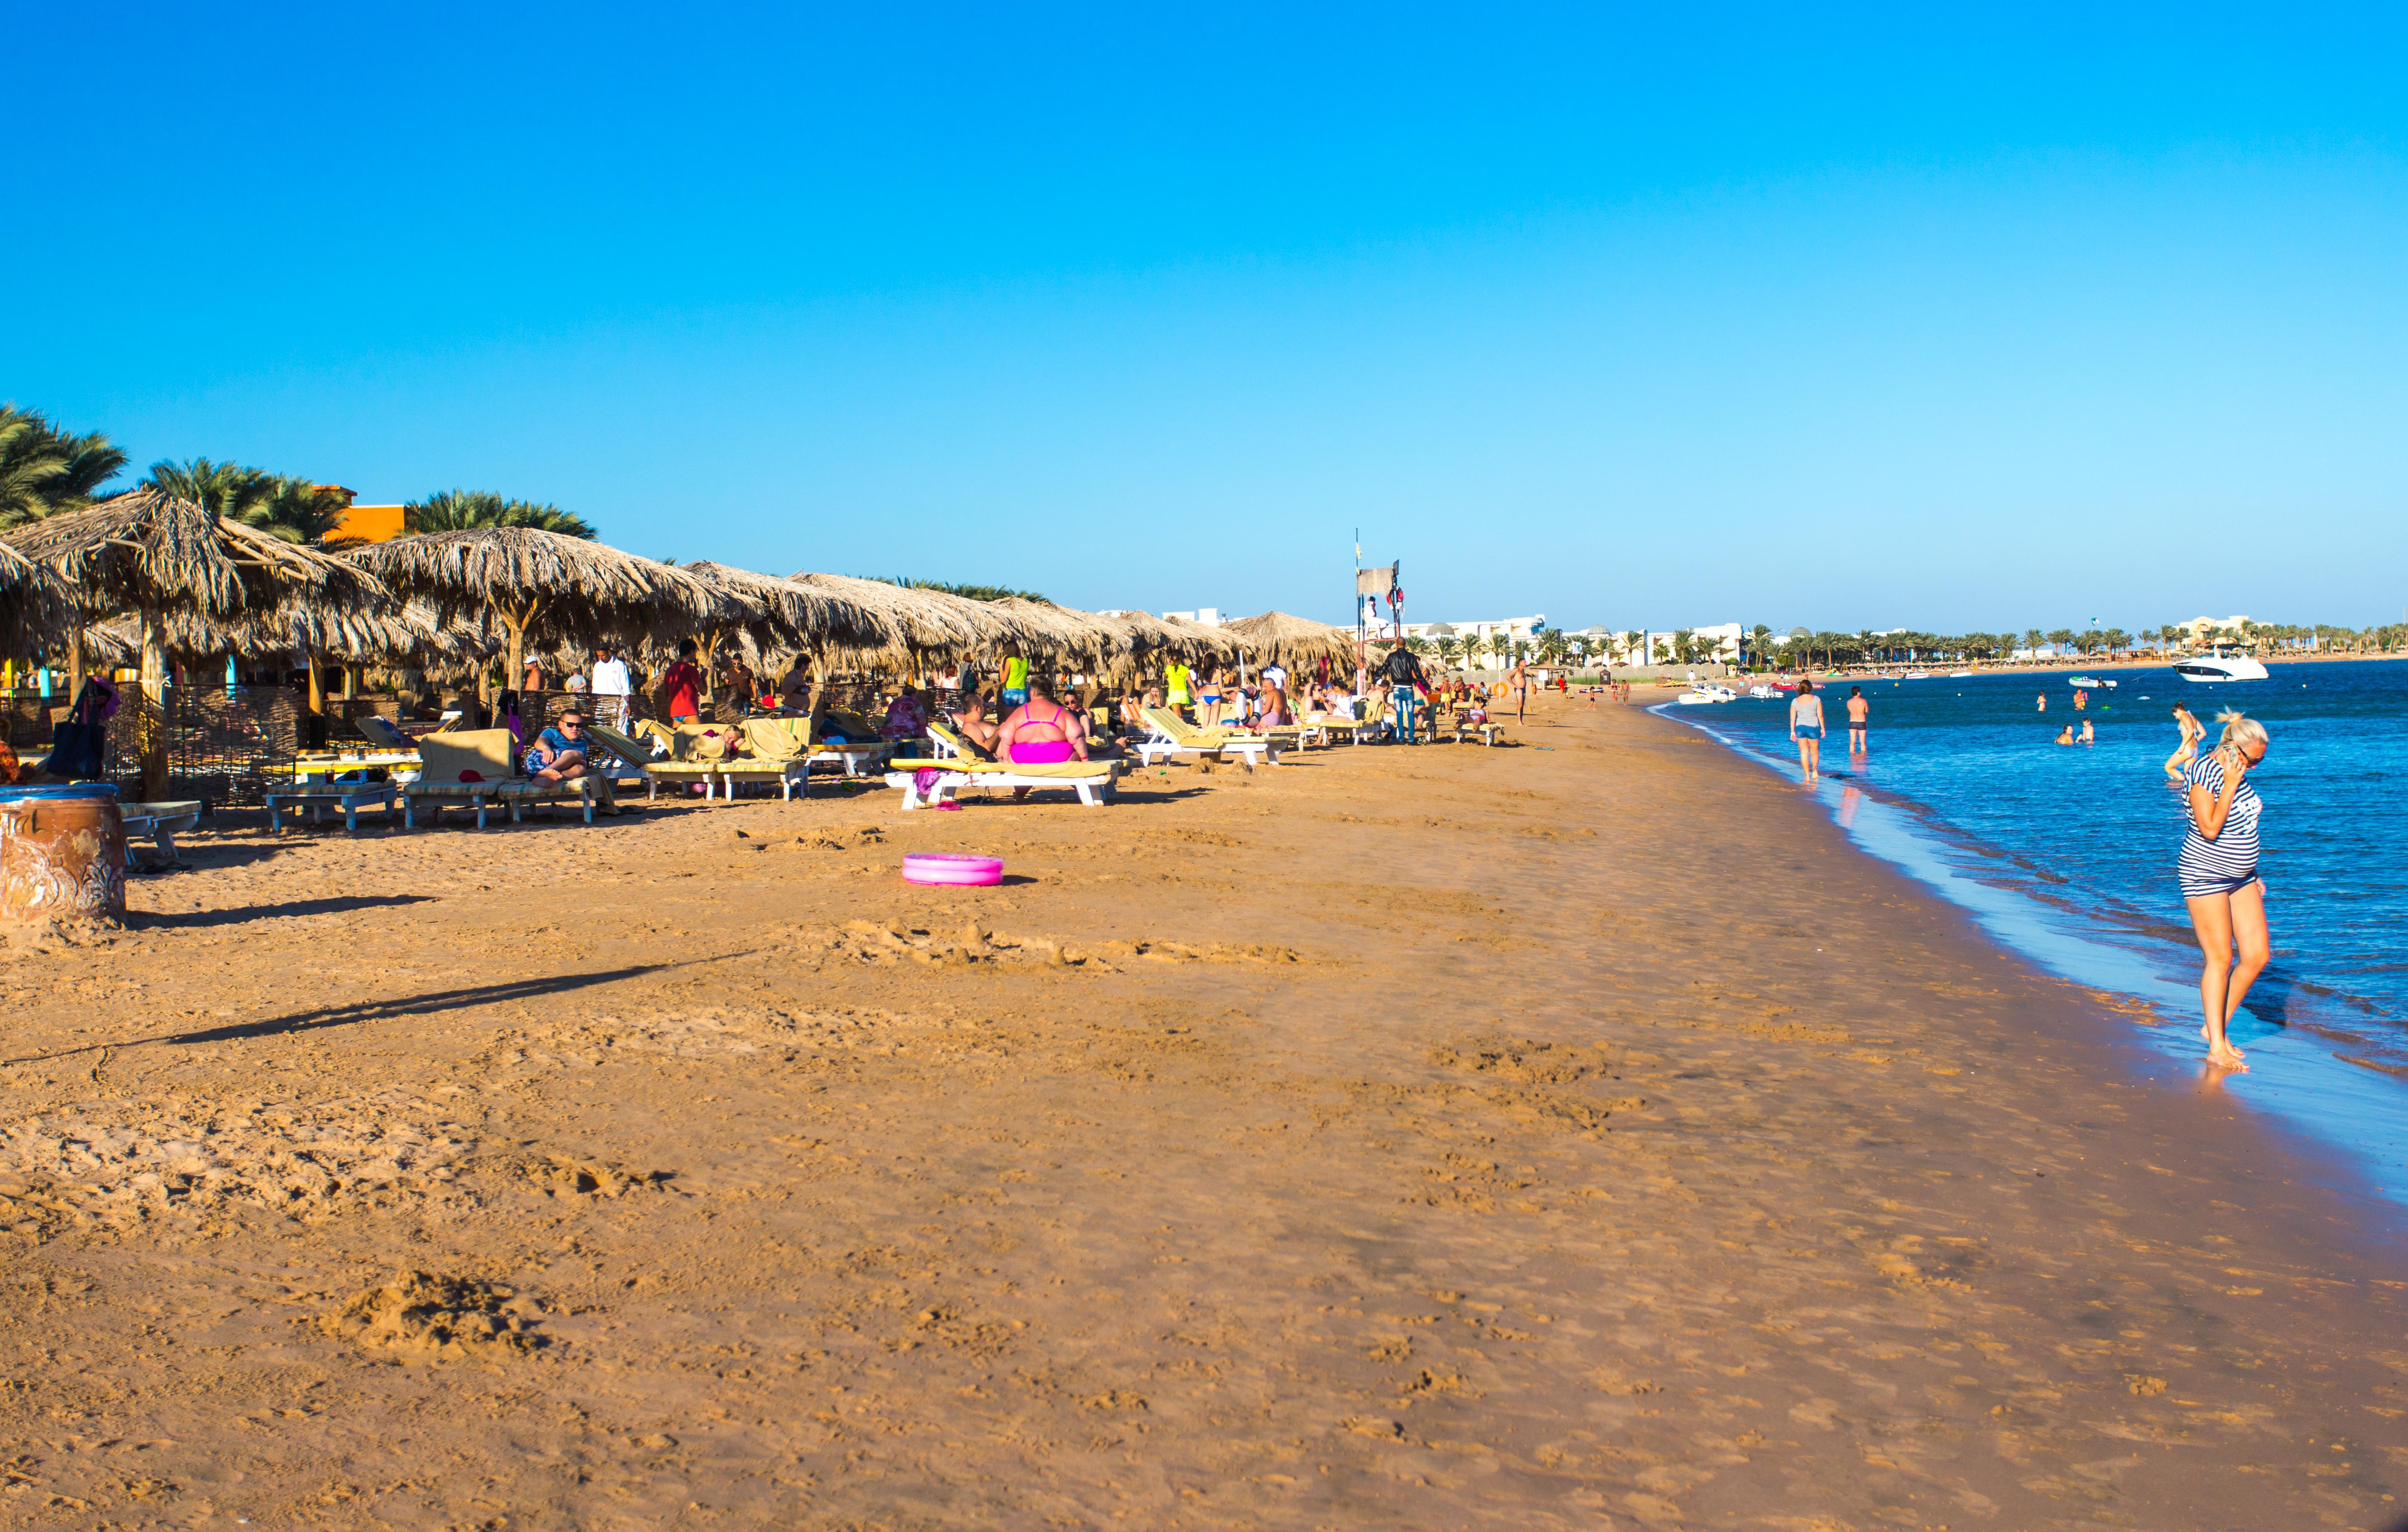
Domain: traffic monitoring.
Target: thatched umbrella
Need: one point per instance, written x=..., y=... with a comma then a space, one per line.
x=791, y=616
x=1292, y=641
x=1067, y=631
x=152, y=553
x=918, y=624
x=35, y=609
x=546, y=586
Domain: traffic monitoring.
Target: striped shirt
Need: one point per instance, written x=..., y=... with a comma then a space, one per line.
x=2222, y=865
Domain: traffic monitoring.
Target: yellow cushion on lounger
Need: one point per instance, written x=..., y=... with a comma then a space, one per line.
x=442, y=757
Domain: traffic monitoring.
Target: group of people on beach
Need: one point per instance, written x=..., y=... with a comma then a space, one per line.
x=1806, y=726
x=2216, y=866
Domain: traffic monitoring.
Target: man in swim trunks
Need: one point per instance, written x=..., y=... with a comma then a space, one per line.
x=1859, y=712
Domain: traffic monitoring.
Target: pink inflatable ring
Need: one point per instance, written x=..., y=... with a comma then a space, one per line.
x=954, y=868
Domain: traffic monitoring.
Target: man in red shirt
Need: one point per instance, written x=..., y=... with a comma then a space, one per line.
x=682, y=683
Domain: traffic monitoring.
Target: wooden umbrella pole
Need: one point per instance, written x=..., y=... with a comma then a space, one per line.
x=75, y=661
x=153, y=732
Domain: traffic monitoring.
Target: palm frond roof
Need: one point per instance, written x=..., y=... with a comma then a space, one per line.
x=1283, y=639
x=148, y=550
x=547, y=582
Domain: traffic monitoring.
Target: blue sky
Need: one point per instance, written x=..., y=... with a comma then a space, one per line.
x=1848, y=319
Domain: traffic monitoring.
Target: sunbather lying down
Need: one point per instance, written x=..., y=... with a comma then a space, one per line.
x=969, y=719
x=1040, y=732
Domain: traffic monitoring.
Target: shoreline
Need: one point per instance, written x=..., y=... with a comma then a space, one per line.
x=2316, y=1086
x=1392, y=1139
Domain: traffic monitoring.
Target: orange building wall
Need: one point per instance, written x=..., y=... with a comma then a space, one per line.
x=370, y=523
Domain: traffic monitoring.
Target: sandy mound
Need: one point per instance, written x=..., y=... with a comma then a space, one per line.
x=423, y=1317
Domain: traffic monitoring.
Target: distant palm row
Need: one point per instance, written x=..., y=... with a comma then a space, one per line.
x=45, y=470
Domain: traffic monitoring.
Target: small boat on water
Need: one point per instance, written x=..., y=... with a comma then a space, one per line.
x=1761, y=691
x=1916, y=675
x=2222, y=663
x=2089, y=684
x=1960, y=675
x=1705, y=692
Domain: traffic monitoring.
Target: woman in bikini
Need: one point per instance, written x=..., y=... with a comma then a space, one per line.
x=1208, y=700
x=1040, y=732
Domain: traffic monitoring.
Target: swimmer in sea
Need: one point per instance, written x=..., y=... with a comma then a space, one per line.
x=2043, y=702
x=2088, y=736
x=2066, y=736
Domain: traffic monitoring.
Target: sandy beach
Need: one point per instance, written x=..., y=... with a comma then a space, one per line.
x=1577, y=1135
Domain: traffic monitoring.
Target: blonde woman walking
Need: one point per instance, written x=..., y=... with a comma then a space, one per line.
x=2218, y=872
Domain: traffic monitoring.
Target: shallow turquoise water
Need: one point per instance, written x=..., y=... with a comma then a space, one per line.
x=2067, y=855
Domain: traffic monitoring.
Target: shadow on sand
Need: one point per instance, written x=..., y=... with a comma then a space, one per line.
x=374, y=1011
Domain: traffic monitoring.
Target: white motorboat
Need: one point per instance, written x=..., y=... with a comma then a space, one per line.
x=1705, y=692
x=2222, y=663
x=1761, y=691
x=2090, y=684
x=1960, y=675
x=1916, y=675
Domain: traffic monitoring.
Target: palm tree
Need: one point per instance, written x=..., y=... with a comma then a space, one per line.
x=300, y=511
x=223, y=489
x=2033, y=638
x=45, y=470
x=285, y=505
x=1448, y=648
x=460, y=511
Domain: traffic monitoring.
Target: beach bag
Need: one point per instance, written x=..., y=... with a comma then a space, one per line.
x=79, y=745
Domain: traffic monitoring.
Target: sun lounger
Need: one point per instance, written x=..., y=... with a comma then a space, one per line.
x=1489, y=731
x=1331, y=725
x=694, y=753
x=161, y=822
x=627, y=757
x=485, y=756
x=774, y=750
x=1095, y=782
x=1170, y=735
x=314, y=798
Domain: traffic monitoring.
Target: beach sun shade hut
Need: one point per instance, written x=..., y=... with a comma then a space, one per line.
x=542, y=588
x=1081, y=638
x=790, y=617
x=1277, y=638
x=34, y=604
x=917, y=627
x=153, y=554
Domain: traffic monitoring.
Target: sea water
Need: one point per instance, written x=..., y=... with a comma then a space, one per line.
x=2066, y=853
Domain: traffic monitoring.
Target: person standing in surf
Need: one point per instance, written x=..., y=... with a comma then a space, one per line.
x=1806, y=728
x=1859, y=714
x=2218, y=873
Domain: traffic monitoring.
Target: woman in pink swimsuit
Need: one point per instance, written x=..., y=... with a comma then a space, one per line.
x=1040, y=732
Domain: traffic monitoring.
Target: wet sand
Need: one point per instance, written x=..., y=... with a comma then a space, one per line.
x=1578, y=1134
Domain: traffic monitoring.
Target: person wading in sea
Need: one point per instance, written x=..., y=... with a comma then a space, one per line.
x=1806, y=727
x=2218, y=873
x=1859, y=714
